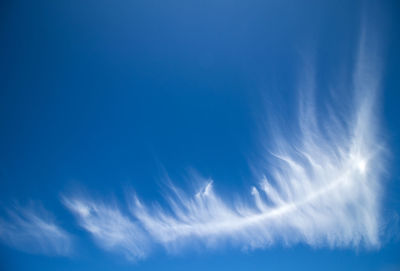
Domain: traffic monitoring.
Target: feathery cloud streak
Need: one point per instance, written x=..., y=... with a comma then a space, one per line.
x=109, y=227
x=321, y=189
x=34, y=231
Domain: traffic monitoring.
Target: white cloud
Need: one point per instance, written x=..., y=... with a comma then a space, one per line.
x=34, y=231
x=111, y=229
x=323, y=187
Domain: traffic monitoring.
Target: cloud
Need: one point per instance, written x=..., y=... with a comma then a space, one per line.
x=322, y=186
x=34, y=231
x=111, y=229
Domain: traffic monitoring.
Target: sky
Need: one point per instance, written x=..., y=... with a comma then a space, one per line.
x=208, y=135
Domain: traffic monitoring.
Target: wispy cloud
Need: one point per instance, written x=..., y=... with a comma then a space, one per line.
x=34, y=231
x=111, y=229
x=322, y=187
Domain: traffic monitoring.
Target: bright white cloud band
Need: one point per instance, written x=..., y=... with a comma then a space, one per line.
x=323, y=189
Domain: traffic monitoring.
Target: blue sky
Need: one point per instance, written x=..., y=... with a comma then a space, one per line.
x=184, y=135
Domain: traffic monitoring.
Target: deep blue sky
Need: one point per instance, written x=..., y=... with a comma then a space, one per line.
x=107, y=95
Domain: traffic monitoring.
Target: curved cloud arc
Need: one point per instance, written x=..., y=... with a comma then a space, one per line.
x=323, y=189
